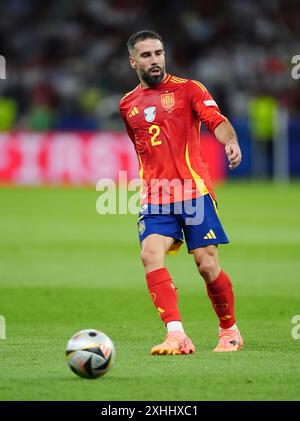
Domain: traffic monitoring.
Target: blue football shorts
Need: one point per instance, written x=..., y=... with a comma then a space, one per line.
x=196, y=221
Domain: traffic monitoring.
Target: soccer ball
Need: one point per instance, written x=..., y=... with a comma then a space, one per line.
x=90, y=353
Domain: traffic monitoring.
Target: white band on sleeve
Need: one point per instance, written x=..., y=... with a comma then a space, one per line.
x=210, y=102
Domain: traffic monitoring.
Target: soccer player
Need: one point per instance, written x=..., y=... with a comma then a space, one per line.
x=162, y=116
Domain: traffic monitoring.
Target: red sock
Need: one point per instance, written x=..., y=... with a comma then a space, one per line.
x=222, y=298
x=164, y=294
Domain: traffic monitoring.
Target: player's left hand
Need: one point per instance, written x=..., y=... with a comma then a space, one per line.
x=234, y=155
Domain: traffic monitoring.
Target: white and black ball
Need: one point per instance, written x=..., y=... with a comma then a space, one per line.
x=90, y=353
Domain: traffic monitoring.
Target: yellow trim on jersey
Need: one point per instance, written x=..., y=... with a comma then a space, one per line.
x=199, y=85
x=141, y=170
x=178, y=79
x=198, y=180
x=167, y=79
x=221, y=115
x=141, y=173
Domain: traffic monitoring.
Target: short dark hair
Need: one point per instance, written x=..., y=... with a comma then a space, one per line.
x=141, y=36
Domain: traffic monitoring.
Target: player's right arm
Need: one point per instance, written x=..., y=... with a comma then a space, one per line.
x=127, y=126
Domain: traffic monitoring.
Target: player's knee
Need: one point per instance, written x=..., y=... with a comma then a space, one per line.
x=150, y=257
x=206, y=264
x=208, y=267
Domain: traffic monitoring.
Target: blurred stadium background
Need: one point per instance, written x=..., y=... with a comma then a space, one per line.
x=64, y=268
x=67, y=67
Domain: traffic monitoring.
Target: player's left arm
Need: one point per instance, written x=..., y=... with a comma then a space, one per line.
x=209, y=113
x=226, y=135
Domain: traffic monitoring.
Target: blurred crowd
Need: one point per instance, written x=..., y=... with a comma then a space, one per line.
x=67, y=62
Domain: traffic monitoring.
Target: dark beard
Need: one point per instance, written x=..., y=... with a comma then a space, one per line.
x=152, y=81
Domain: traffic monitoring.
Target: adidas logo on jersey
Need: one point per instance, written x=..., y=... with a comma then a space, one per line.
x=133, y=112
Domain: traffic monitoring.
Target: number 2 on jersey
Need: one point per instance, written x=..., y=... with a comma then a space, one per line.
x=155, y=131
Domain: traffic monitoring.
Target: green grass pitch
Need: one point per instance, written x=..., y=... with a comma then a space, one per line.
x=64, y=268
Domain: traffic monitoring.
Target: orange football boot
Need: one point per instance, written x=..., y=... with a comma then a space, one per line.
x=229, y=340
x=176, y=343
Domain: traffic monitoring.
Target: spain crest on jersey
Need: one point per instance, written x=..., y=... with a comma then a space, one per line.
x=150, y=114
x=167, y=100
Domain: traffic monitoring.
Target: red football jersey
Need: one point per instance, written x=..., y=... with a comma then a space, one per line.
x=164, y=125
